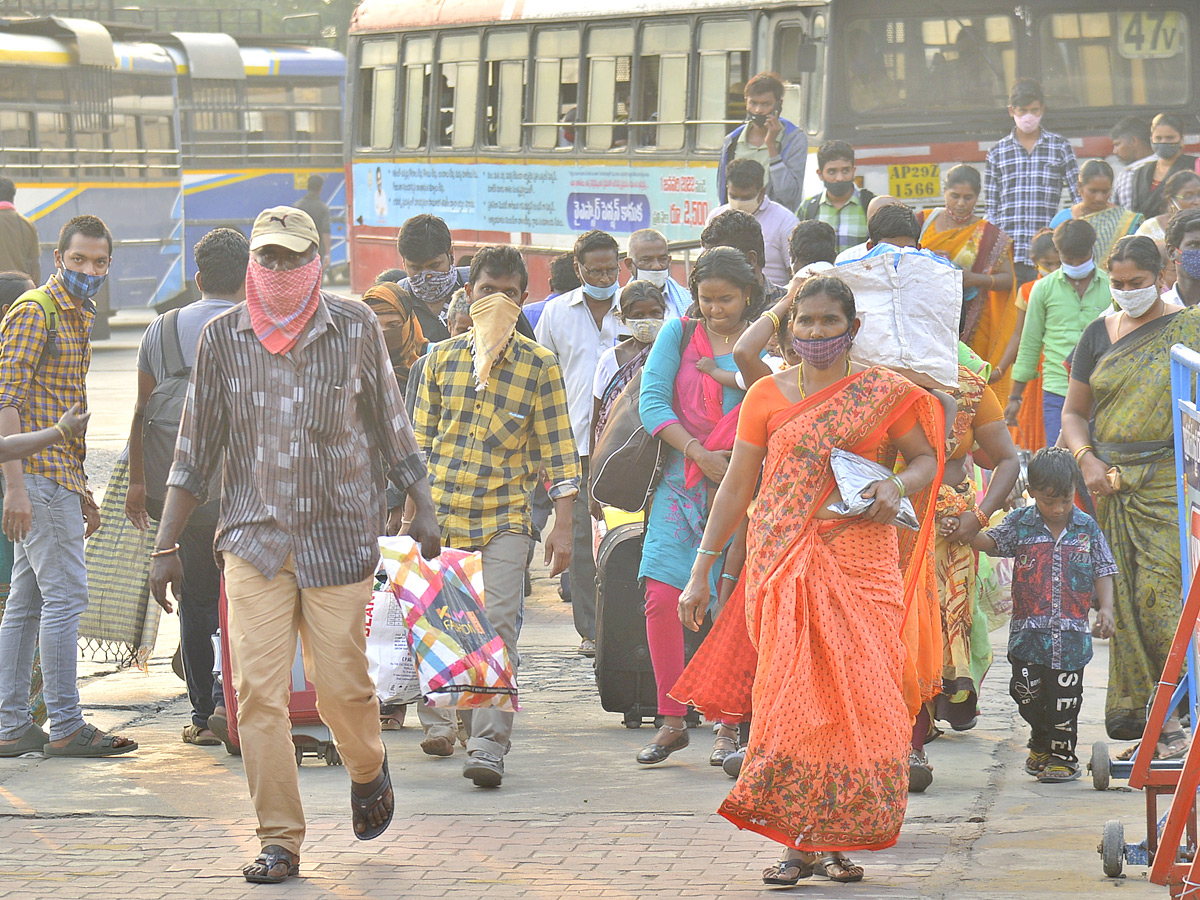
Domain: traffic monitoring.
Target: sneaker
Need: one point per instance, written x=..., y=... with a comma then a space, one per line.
x=1036, y=762
x=920, y=772
x=484, y=769
x=732, y=764
x=438, y=745
x=1058, y=772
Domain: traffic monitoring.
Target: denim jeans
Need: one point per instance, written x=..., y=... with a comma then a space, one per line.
x=49, y=594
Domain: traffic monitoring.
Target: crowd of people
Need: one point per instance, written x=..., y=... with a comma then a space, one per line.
x=447, y=407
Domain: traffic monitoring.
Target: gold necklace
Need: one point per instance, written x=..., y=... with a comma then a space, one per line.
x=800, y=377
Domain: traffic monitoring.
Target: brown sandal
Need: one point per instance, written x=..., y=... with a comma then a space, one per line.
x=786, y=872
x=840, y=868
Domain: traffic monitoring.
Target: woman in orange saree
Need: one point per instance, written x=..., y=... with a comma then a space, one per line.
x=829, y=598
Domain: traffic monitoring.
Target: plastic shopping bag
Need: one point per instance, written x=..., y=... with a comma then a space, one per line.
x=389, y=657
x=460, y=660
x=854, y=474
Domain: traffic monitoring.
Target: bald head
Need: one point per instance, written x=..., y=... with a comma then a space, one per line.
x=880, y=201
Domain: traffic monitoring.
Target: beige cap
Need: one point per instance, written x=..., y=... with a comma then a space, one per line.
x=285, y=226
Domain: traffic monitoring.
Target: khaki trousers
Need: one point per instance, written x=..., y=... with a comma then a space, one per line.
x=265, y=616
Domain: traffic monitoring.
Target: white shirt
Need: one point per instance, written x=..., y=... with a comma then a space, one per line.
x=678, y=298
x=777, y=223
x=568, y=329
x=858, y=251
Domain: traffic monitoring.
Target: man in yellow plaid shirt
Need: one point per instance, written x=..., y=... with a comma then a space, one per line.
x=491, y=415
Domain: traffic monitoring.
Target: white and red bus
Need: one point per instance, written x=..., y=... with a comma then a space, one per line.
x=530, y=121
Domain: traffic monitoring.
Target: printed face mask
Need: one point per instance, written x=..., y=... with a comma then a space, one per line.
x=1136, y=303
x=1189, y=261
x=1080, y=271
x=80, y=284
x=657, y=277
x=430, y=287
x=1028, y=123
x=644, y=331
x=822, y=353
x=1165, y=149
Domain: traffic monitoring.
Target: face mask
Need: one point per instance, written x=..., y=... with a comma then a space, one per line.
x=746, y=206
x=1083, y=270
x=1136, y=302
x=759, y=120
x=601, y=293
x=657, y=277
x=1028, y=123
x=1189, y=261
x=644, y=331
x=839, y=188
x=80, y=284
x=1165, y=149
x=432, y=287
x=823, y=352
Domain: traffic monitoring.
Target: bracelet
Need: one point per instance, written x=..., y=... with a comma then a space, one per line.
x=729, y=577
x=895, y=479
x=700, y=551
x=154, y=554
x=983, y=520
x=62, y=429
x=1086, y=448
x=687, y=445
x=770, y=314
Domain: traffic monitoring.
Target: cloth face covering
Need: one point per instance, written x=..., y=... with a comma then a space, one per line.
x=1136, y=302
x=644, y=331
x=750, y=207
x=1189, y=261
x=1082, y=270
x=657, y=277
x=823, y=352
x=1027, y=123
x=494, y=318
x=839, y=188
x=282, y=302
x=430, y=287
x=81, y=284
x=1165, y=149
x=410, y=339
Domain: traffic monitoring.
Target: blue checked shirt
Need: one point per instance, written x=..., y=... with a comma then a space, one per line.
x=1023, y=189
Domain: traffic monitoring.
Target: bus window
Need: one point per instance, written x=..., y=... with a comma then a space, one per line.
x=16, y=136
x=894, y=65
x=505, y=103
x=724, y=70
x=800, y=61
x=458, y=90
x=662, y=86
x=1124, y=58
x=318, y=124
x=123, y=141
x=610, y=64
x=418, y=75
x=53, y=143
x=555, y=89
x=158, y=137
x=814, y=86
x=268, y=123
x=377, y=95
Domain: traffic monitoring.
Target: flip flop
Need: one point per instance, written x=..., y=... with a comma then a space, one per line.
x=192, y=735
x=81, y=746
x=32, y=740
x=841, y=869
x=360, y=807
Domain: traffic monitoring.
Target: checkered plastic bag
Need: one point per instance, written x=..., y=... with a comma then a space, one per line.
x=461, y=661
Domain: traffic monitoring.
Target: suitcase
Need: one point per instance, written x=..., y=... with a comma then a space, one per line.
x=310, y=735
x=624, y=672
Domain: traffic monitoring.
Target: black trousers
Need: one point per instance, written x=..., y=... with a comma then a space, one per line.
x=1049, y=700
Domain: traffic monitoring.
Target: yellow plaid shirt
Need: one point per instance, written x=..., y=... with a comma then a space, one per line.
x=41, y=394
x=485, y=449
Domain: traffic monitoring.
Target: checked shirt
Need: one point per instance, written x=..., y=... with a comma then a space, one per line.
x=1024, y=189
x=486, y=448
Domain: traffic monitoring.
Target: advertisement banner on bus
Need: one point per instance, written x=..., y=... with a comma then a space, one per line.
x=537, y=198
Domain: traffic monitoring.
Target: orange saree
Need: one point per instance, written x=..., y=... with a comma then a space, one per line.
x=837, y=610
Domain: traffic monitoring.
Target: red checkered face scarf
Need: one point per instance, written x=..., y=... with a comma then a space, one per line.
x=282, y=302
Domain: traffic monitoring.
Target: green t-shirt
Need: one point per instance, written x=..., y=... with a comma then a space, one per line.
x=1054, y=321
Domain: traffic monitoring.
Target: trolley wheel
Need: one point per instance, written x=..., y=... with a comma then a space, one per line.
x=1101, y=766
x=1112, y=848
x=299, y=755
x=632, y=719
x=332, y=757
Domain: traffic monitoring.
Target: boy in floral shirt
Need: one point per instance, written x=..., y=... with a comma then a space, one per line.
x=1061, y=561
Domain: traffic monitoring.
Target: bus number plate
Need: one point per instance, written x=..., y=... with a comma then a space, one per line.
x=1150, y=34
x=915, y=181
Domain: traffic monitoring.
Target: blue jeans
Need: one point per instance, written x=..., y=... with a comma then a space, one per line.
x=48, y=595
x=1052, y=407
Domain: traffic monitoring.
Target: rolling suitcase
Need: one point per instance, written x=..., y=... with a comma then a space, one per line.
x=310, y=735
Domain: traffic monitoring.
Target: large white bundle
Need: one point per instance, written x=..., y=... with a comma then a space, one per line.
x=909, y=303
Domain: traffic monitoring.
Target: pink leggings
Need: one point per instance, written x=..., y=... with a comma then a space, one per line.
x=664, y=633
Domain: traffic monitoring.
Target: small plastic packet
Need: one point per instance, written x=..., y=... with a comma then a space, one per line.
x=854, y=474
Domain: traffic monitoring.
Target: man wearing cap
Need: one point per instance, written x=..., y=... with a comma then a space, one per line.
x=294, y=390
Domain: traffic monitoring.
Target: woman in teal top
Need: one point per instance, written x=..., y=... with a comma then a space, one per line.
x=1110, y=222
x=695, y=414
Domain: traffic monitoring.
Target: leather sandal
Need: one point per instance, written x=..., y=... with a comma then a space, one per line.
x=656, y=753
x=264, y=869
x=786, y=872
x=840, y=868
x=381, y=798
x=723, y=747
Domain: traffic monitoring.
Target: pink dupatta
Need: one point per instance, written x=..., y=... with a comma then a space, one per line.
x=699, y=404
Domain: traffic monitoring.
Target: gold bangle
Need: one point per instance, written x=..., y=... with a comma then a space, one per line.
x=155, y=554
x=770, y=314
x=63, y=431
x=1087, y=448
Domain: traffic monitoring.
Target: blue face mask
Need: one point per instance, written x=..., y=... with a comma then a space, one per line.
x=601, y=293
x=80, y=284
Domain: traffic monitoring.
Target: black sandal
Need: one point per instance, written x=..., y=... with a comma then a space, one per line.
x=262, y=870
x=778, y=873
x=362, y=807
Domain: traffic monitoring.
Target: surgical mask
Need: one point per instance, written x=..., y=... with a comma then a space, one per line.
x=657, y=277
x=80, y=284
x=644, y=331
x=1028, y=123
x=1165, y=149
x=1083, y=270
x=601, y=293
x=431, y=287
x=1137, y=302
x=746, y=206
x=839, y=188
x=1189, y=261
x=822, y=353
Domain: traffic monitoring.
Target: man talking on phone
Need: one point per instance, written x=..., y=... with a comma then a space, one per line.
x=777, y=144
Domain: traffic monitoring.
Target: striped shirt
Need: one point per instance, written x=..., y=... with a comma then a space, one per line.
x=485, y=449
x=41, y=394
x=1024, y=188
x=303, y=435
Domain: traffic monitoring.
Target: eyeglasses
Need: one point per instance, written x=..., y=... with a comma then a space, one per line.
x=596, y=274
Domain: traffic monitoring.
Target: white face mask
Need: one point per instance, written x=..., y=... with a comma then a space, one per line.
x=657, y=277
x=1136, y=303
x=747, y=206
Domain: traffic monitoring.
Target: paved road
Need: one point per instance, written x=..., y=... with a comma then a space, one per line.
x=575, y=815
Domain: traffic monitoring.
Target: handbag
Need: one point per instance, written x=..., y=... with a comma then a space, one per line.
x=628, y=461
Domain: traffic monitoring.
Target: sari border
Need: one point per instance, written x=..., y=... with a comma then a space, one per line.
x=780, y=838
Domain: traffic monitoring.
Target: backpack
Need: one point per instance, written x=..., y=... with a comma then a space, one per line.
x=811, y=207
x=164, y=411
x=50, y=349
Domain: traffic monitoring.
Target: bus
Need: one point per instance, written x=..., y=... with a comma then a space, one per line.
x=164, y=136
x=531, y=122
